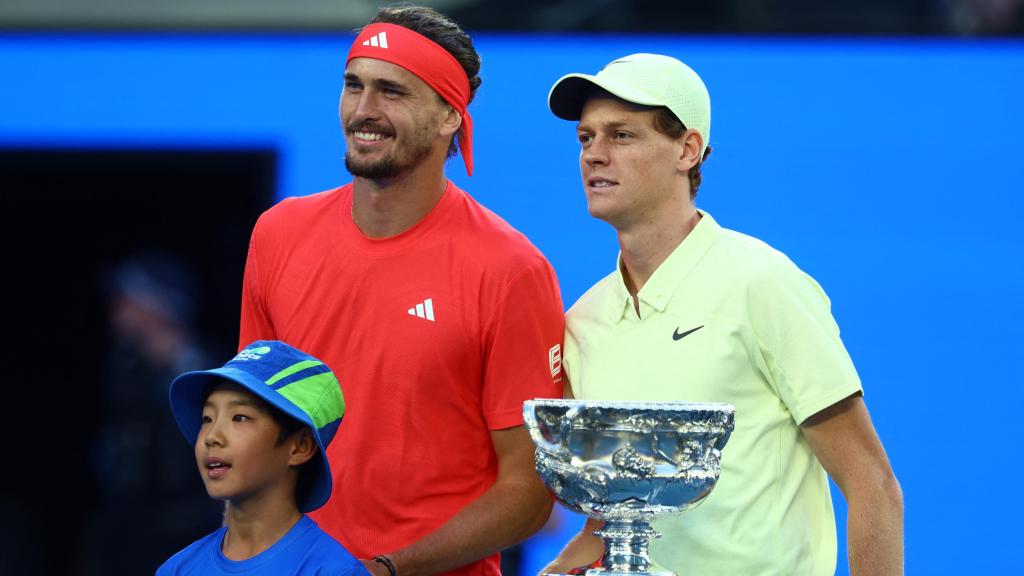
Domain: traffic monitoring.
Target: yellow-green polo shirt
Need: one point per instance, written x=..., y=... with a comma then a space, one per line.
x=727, y=318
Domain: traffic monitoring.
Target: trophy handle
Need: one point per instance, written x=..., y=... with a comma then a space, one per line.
x=534, y=426
x=566, y=422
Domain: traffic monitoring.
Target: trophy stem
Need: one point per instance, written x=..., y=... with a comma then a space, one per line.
x=626, y=548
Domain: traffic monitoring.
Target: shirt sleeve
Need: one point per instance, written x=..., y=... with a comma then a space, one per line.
x=255, y=323
x=523, y=345
x=349, y=566
x=808, y=365
x=570, y=360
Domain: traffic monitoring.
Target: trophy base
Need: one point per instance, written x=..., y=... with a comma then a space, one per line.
x=626, y=549
x=605, y=572
x=626, y=552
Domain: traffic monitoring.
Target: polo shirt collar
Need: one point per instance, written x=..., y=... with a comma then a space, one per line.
x=660, y=287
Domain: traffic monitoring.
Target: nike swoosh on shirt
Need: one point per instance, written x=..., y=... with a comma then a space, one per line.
x=677, y=336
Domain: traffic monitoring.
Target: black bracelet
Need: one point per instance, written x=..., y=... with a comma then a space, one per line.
x=387, y=563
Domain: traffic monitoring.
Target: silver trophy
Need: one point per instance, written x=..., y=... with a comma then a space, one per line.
x=626, y=463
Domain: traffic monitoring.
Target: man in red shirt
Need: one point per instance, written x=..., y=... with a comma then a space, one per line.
x=438, y=318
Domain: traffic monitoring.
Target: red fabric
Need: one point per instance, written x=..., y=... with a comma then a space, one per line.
x=422, y=396
x=429, y=62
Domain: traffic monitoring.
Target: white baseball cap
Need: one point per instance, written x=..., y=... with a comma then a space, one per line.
x=646, y=79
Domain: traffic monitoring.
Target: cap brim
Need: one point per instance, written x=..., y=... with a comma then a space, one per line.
x=571, y=91
x=186, y=399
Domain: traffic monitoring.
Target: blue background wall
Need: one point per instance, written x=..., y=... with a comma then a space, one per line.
x=888, y=169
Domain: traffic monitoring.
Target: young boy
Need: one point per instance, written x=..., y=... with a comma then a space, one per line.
x=261, y=425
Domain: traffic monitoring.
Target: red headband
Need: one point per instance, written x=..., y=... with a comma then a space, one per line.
x=429, y=62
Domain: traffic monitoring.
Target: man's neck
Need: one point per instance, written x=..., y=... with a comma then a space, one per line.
x=253, y=527
x=644, y=248
x=387, y=207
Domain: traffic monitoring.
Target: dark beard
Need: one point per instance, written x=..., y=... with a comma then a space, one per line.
x=386, y=168
x=390, y=167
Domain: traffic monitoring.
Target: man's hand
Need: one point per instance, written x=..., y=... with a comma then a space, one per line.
x=846, y=444
x=516, y=506
x=583, y=550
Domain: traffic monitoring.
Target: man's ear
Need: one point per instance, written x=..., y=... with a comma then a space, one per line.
x=691, y=150
x=451, y=122
x=303, y=447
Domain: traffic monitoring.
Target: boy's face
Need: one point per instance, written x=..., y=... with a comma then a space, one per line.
x=237, y=450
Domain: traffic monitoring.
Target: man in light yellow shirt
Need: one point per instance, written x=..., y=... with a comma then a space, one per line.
x=700, y=313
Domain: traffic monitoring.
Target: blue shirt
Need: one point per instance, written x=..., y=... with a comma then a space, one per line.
x=305, y=550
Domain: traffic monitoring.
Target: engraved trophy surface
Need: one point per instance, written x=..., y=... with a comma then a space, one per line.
x=626, y=463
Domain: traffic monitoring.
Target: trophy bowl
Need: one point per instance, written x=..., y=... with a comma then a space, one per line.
x=626, y=463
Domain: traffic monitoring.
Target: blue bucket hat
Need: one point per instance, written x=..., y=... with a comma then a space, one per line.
x=288, y=379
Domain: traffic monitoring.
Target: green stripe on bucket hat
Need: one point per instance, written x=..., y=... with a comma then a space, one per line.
x=317, y=397
x=288, y=379
x=645, y=79
x=297, y=367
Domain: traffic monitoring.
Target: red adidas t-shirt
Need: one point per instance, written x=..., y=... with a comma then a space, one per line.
x=437, y=336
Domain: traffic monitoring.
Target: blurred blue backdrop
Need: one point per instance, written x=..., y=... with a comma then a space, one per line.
x=887, y=169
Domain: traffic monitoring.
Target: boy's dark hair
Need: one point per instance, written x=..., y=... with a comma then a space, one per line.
x=442, y=31
x=286, y=424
